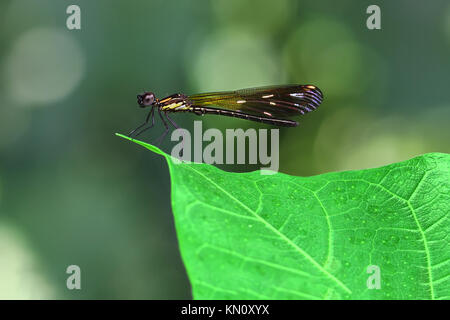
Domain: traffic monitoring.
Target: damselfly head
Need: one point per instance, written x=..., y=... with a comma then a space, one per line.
x=146, y=99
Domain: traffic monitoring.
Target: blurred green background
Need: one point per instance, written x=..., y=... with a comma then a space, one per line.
x=73, y=193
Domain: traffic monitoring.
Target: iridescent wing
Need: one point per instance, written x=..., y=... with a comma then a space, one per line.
x=270, y=102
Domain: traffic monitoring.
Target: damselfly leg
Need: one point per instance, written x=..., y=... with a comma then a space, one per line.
x=150, y=114
x=160, y=139
x=176, y=127
x=171, y=121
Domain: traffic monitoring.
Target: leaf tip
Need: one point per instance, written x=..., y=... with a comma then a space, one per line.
x=144, y=144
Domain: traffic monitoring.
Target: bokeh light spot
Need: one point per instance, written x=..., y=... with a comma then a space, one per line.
x=20, y=277
x=366, y=141
x=234, y=60
x=43, y=66
x=323, y=52
x=260, y=17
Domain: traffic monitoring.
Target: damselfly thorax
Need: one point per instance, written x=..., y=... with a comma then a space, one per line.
x=269, y=105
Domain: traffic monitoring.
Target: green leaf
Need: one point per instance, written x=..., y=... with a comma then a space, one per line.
x=252, y=236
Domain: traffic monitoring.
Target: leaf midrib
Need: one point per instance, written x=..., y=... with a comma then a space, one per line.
x=274, y=230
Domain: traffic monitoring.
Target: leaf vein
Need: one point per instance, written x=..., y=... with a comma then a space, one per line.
x=273, y=229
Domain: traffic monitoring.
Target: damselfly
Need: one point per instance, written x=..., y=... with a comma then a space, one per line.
x=269, y=105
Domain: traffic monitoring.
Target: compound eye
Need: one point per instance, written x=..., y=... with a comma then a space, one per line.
x=149, y=99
